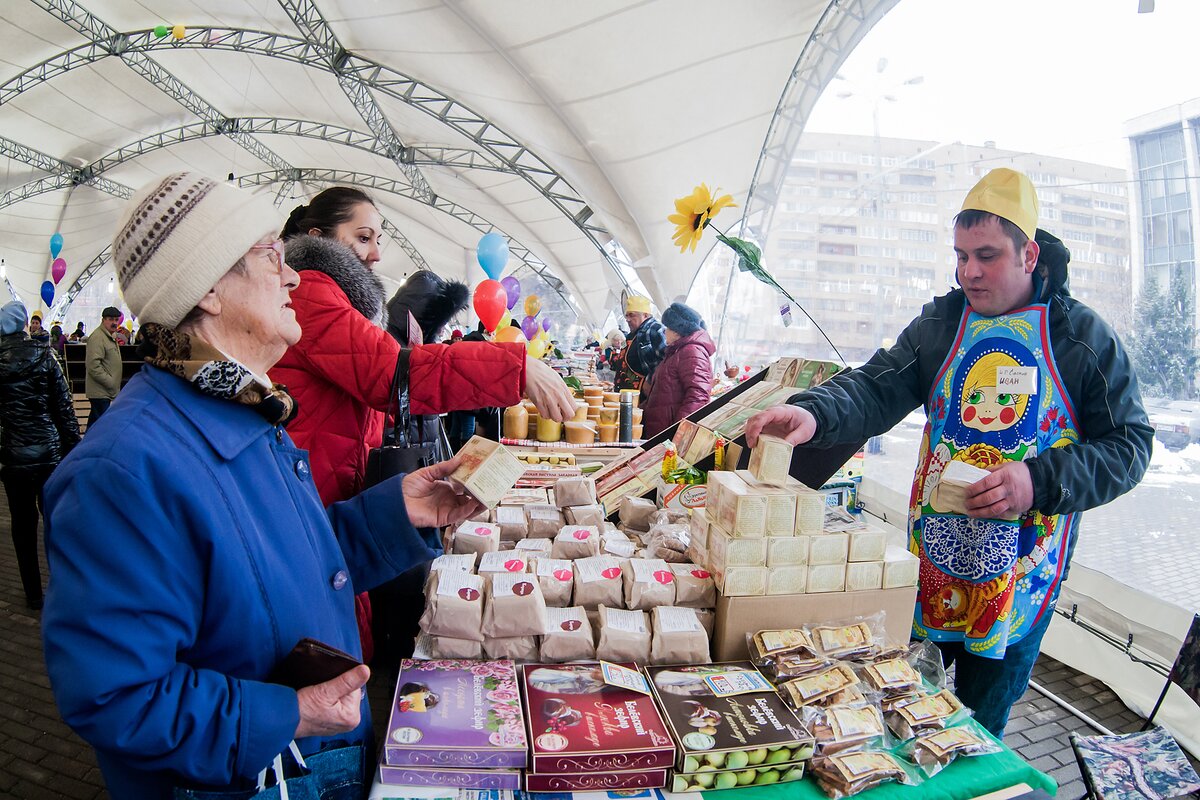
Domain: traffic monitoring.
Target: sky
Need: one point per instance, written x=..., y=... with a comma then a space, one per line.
x=1058, y=77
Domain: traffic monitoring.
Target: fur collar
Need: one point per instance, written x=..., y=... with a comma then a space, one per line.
x=363, y=288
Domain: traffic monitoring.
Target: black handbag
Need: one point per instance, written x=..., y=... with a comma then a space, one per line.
x=398, y=454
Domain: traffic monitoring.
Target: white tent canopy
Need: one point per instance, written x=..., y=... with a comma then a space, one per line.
x=568, y=127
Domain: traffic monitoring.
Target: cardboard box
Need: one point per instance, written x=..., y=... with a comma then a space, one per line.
x=781, y=504
x=738, y=509
x=787, y=580
x=682, y=496
x=441, y=776
x=440, y=715
x=739, y=616
x=770, y=460
x=605, y=782
x=900, y=568
x=724, y=551
x=864, y=575
x=741, y=581
x=826, y=578
x=736, y=725
x=578, y=723
x=828, y=548
x=488, y=471
x=810, y=509
x=867, y=545
x=787, y=551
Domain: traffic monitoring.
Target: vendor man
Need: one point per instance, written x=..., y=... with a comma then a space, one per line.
x=647, y=345
x=1021, y=379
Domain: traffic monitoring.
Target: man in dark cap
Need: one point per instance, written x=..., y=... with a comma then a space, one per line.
x=103, y=379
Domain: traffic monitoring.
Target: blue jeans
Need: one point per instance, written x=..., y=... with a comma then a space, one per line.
x=335, y=774
x=990, y=686
x=99, y=406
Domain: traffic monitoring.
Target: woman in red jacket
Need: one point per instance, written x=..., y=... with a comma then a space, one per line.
x=683, y=381
x=340, y=372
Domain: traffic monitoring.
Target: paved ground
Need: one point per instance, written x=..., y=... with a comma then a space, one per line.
x=40, y=758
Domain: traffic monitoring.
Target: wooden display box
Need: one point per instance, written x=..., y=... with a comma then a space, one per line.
x=739, y=616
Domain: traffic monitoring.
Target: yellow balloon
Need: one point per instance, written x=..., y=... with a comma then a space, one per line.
x=179, y=31
x=537, y=348
x=505, y=321
x=533, y=305
x=128, y=325
x=509, y=334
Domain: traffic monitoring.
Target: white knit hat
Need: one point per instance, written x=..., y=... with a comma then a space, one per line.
x=178, y=236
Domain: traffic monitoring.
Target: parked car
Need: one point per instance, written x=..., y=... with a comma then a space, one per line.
x=1176, y=422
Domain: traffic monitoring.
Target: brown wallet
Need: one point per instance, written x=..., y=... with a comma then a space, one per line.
x=311, y=662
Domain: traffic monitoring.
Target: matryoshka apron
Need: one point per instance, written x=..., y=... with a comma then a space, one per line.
x=997, y=398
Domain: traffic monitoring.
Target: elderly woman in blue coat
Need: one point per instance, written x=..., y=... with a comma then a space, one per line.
x=188, y=547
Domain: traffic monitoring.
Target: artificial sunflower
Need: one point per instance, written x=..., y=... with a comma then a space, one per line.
x=693, y=214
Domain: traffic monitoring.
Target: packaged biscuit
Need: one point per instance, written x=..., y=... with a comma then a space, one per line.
x=592, y=515
x=513, y=525
x=928, y=713
x=574, y=491
x=502, y=562
x=842, y=728
x=856, y=640
x=891, y=676
x=637, y=513
x=818, y=687
x=533, y=548
x=849, y=774
x=767, y=646
x=476, y=537
x=516, y=648
x=624, y=636
x=568, y=636
x=798, y=665
x=669, y=542
x=649, y=582
x=449, y=647
x=678, y=637
x=934, y=750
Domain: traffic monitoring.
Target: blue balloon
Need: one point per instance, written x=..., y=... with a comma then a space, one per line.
x=56, y=243
x=48, y=293
x=492, y=253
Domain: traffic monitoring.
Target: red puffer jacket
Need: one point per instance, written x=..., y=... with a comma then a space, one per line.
x=681, y=384
x=340, y=373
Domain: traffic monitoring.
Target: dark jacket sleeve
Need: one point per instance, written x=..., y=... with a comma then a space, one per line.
x=860, y=403
x=62, y=409
x=648, y=347
x=1117, y=436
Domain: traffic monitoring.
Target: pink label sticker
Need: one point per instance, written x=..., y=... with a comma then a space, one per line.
x=581, y=534
x=562, y=574
x=514, y=565
x=612, y=572
x=571, y=625
x=467, y=593
x=701, y=573
x=522, y=589
x=663, y=576
x=481, y=531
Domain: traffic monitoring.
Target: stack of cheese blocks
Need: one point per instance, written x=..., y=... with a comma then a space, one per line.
x=762, y=533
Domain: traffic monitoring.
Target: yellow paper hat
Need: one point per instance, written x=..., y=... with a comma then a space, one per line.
x=637, y=304
x=1007, y=194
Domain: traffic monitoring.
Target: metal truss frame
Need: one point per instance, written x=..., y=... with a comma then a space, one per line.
x=401, y=189
x=365, y=73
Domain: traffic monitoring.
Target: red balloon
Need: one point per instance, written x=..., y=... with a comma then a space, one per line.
x=491, y=301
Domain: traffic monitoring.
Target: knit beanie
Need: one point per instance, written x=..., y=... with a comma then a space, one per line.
x=13, y=317
x=682, y=319
x=178, y=236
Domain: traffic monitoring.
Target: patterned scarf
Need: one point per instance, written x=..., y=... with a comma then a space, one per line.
x=213, y=373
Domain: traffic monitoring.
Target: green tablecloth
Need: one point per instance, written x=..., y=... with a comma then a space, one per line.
x=964, y=778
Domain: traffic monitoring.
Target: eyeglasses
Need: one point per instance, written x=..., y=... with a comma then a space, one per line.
x=276, y=247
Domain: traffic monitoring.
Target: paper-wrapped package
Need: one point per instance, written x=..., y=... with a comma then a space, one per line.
x=513, y=525
x=574, y=491
x=694, y=587
x=448, y=647
x=476, y=537
x=454, y=605
x=557, y=580
x=514, y=607
x=517, y=648
x=502, y=562
x=636, y=513
x=598, y=582
x=592, y=515
x=624, y=636
x=544, y=520
x=576, y=541
x=533, y=548
x=678, y=637
x=649, y=582
x=568, y=636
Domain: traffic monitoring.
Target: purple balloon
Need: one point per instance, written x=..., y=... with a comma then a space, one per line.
x=512, y=288
x=546, y=324
x=529, y=327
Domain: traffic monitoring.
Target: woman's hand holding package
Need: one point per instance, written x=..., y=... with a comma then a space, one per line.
x=431, y=500
x=546, y=389
x=333, y=707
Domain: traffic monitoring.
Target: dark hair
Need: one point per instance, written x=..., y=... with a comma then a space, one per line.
x=970, y=217
x=325, y=212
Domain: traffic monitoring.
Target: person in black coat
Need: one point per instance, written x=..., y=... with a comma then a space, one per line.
x=37, y=429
